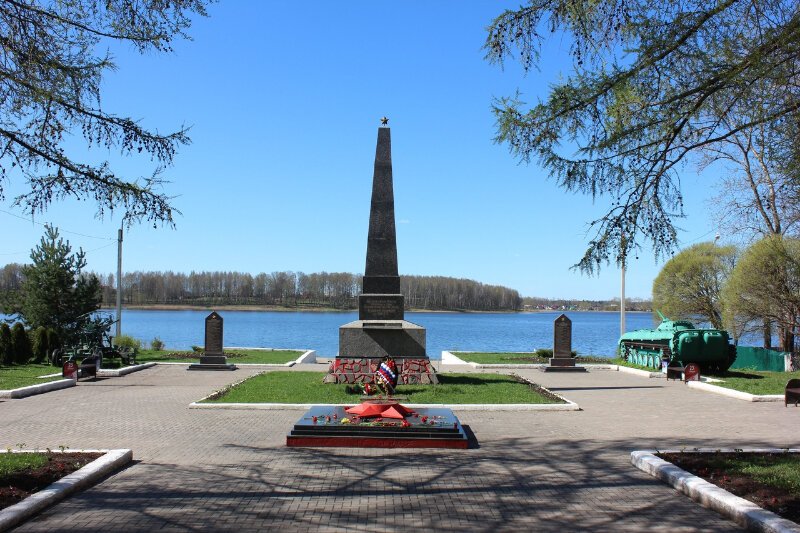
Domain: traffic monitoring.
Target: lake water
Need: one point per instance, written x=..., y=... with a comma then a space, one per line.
x=593, y=333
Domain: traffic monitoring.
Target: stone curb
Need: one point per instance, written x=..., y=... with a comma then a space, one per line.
x=741, y=511
x=570, y=406
x=30, y=390
x=746, y=396
x=449, y=359
x=307, y=358
x=117, y=372
x=78, y=480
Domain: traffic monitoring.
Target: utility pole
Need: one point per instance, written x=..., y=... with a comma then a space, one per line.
x=119, y=281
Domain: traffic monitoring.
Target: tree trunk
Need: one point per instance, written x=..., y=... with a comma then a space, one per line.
x=767, y=333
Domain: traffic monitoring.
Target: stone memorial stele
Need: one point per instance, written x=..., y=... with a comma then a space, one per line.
x=562, y=359
x=381, y=329
x=213, y=358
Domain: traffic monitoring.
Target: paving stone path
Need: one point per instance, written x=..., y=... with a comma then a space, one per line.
x=229, y=470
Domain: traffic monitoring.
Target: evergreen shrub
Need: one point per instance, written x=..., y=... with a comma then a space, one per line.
x=20, y=344
x=6, y=354
x=40, y=346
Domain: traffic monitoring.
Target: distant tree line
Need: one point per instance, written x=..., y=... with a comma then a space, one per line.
x=337, y=290
x=631, y=304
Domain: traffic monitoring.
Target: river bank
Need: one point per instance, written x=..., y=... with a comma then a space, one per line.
x=303, y=309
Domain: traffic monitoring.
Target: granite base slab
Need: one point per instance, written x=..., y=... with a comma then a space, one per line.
x=551, y=368
x=427, y=428
x=209, y=366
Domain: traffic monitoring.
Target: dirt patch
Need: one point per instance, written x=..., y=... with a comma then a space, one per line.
x=780, y=501
x=18, y=485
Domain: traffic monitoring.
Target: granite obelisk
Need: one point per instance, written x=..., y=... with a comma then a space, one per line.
x=381, y=330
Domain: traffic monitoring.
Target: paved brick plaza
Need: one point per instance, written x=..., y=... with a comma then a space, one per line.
x=226, y=470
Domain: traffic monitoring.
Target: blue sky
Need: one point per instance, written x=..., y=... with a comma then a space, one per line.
x=284, y=101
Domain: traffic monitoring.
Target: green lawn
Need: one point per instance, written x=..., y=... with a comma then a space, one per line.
x=781, y=470
x=751, y=381
x=16, y=376
x=307, y=387
x=517, y=358
x=12, y=462
x=756, y=382
x=236, y=357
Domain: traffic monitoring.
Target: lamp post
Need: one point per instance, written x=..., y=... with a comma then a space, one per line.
x=119, y=280
x=622, y=300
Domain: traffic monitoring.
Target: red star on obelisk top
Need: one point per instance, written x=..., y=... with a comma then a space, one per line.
x=384, y=121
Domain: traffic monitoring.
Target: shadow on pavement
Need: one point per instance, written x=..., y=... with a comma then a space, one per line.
x=508, y=484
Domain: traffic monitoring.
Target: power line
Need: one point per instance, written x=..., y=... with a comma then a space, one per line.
x=59, y=228
x=700, y=237
x=27, y=252
x=104, y=246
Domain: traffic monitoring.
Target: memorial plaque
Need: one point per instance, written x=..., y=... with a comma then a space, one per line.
x=562, y=337
x=380, y=307
x=213, y=358
x=213, y=334
x=562, y=359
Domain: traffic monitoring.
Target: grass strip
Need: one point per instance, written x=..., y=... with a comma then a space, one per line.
x=770, y=480
x=234, y=356
x=14, y=462
x=307, y=387
x=757, y=382
x=16, y=376
x=782, y=471
x=520, y=358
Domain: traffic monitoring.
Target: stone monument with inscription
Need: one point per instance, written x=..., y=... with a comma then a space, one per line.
x=213, y=357
x=381, y=329
x=562, y=359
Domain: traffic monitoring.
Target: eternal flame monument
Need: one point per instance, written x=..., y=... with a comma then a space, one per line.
x=381, y=330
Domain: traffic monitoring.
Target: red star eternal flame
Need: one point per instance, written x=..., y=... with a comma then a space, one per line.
x=384, y=409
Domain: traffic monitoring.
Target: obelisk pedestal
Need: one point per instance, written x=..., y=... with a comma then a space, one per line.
x=381, y=329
